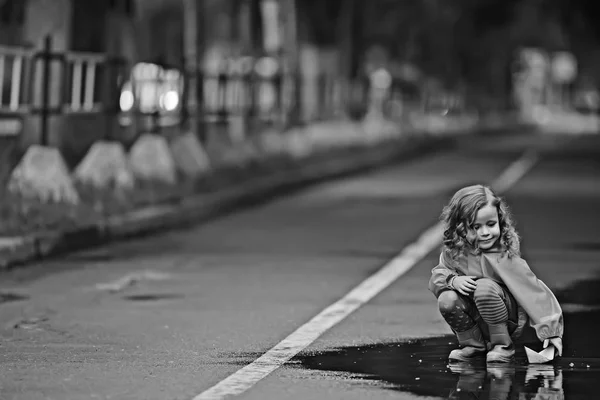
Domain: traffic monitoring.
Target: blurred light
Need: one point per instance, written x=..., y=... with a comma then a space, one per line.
x=409, y=72
x=147, y=96
x=266, y=66
x=381, y=78
x=171, y=75
x=143, y=71
x=541, y=114
x=231, y=66
x=246, y=64
x=125, y=120
x=126, y=100
x=592, y=99
x=169, y=100
x=564, y=67
x=271, y=28
x=213, y=63
x=267, y=96
x=156, y=89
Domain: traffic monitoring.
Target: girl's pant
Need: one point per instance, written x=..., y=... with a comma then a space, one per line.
x=490, y=301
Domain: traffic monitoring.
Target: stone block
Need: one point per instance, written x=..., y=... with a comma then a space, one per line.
x=353, y=134
x=106, y=164
x=273, y=142
x=240, y=154
x=189, y=155
x=43, y=174
x=379, y=129
x=151, y=159
x=298, y=144
x=331, y=135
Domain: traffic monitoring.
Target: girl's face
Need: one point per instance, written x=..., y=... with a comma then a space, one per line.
x=485, y=231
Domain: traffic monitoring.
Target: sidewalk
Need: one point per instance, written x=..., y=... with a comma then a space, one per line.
x=328, y=151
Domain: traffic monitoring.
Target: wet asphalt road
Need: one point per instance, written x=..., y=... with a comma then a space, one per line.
x=219, y=295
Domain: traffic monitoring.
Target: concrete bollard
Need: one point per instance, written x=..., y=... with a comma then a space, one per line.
x=43, y=174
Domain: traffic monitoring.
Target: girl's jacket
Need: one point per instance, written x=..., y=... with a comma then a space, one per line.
x=534, y=297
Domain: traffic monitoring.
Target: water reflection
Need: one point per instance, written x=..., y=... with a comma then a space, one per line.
x=421, y=367
x=531, y=382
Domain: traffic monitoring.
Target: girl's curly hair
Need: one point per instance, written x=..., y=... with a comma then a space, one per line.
x=460, y=213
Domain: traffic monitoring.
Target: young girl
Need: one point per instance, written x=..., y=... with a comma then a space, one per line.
x=486, y=292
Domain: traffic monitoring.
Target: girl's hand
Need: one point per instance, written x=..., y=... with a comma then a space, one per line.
x=557, y=342
x=464, y=285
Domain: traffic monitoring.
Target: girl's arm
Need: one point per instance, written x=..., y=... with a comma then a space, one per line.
x=533, y=295
x=441, y=277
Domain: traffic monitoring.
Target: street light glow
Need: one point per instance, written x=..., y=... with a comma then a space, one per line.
x=169, y=100
x=126, y=100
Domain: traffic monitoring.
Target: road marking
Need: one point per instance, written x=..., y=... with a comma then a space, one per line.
x=515, y=171
x=430, y=239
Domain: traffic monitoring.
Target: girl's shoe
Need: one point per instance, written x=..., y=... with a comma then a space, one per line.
x=472, y=346
x=503, y=349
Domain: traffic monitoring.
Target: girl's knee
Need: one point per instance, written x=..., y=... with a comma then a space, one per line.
x=448, y=301
x=486, y=288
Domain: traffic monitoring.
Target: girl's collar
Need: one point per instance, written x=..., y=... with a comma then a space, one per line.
x=498, y=248
x=495, y=249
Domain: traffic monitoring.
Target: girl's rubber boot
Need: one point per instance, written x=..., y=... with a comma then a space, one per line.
x=472, y=346
x=503, y=349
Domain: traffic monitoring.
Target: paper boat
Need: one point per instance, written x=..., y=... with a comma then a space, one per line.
x=542, y=357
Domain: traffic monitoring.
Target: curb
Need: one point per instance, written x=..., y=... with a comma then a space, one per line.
x=196, y=209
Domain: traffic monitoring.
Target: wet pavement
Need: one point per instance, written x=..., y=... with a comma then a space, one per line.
x=420, y=366
x=166, y=317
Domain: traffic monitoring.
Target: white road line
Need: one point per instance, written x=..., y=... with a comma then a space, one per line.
x=248, y=376
x=515, y=171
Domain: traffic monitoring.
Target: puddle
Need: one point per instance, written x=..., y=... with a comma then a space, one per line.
x=153, y=297
x=420, y=367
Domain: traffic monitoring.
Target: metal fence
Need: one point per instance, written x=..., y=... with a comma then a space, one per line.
x=240, y=89
x=42, y=84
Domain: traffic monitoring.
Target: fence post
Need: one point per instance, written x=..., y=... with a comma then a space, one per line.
x=46, y=56
x=298, y=111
